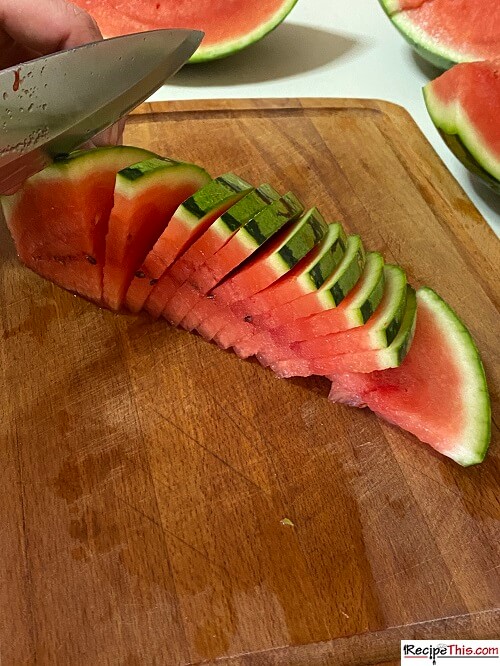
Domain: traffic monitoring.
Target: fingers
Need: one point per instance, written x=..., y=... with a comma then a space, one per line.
x=46, y=26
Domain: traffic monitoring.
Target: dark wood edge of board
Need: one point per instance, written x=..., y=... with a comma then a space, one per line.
x=370, y=648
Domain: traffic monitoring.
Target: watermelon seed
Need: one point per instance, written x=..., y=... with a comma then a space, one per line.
x=91, y=260
x=248, y=319
x=140, y=274
x=153, y=282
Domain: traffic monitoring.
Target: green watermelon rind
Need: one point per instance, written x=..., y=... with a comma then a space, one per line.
x=227, y=48
x=435, y=52
x=387, y=329
x=459, y=134
x=477, y=401
x=131, y=180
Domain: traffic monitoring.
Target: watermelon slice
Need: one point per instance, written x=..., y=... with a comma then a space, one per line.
x=59, y=218
x=358, y=360
x=228, y=26
x=242, y=246
x=309, y=274
x=146, y=196
x=188, y=222
x=272, y=341
x=464, y=104
x=446, y=32
x=166, y=293
x=280, y=256
x=439, y=392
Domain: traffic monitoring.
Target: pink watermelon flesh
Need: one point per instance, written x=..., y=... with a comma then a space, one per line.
x=457, y=29
x=438, y=393
x=465, y=101
x=137, y=219
x=59, y=219
x=227, y=26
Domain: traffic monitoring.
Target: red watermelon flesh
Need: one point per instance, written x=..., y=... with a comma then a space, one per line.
x=278, y=257
x=145, y=198
x=167, y=299
x=438, y=393
x=67, y=245
x=228, y=26
x=449, y=31
x=192, y=217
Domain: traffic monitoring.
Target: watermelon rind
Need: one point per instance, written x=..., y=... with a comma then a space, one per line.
x=473, y=444
x=461, y=137
x=437, y=53
x=227, y=48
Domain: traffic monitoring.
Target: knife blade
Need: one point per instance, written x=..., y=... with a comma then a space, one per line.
x=52, y=105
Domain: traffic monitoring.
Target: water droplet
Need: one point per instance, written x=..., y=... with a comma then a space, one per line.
x=30, y=107
x=5, y=95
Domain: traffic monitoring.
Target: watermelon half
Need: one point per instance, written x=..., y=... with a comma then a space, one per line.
x=228, y=26
x=464, y=104
x=438, y=393
x=446, y=32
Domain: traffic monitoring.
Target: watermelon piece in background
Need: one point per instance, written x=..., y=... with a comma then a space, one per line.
x=279, y=256
x=165, y=297
x=439, y=392
x=228, y=27
x=464, y=105
x=189, y=221
x=446, y=32
x=59, y=218
x=145, y=198
x=245, y=242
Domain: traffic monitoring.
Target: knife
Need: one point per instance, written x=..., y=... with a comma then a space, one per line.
x=52, y=105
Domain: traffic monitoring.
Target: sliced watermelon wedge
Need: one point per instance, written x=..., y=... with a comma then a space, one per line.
x=188, y=222
x=446, y=32
x=279, y=256
x=242, y=246
x=439, y=393
x=145, y=198
x=59, y=218
x=309, y=274
x=464, y=105
x=228, y=27
x=166, y=294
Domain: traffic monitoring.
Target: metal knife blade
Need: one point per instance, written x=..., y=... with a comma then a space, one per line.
x=51, y=105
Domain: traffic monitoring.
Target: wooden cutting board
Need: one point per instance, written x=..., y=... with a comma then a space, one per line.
x=164, y=503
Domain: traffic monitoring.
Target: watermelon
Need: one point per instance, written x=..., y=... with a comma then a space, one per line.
x=446, y=32
x=188, y=222
x=464, y=104
x=279, y=256
x=310, y=273
x=166, y=293
x=145, y=198
x=358, y=360
x=241, y=247
x=228, y=26
x=439, y=392
x=66, y=246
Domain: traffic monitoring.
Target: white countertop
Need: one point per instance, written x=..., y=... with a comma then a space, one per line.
x=330, y=48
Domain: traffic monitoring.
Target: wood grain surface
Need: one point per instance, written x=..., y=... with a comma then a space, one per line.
x=146, y=475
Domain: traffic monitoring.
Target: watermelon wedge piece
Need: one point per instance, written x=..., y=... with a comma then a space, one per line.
x=241, y=247
x=59, y=218
x=145, y=198
x=445, y=32
x=228, y=27
x=281, y=255
x=464, y=105
x=309, y=274
x=187, y=223
x=354, y=310
x=439, y=392
x=358, y=360
x=166, y=297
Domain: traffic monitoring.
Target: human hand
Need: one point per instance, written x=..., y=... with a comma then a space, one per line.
x=33, y=28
